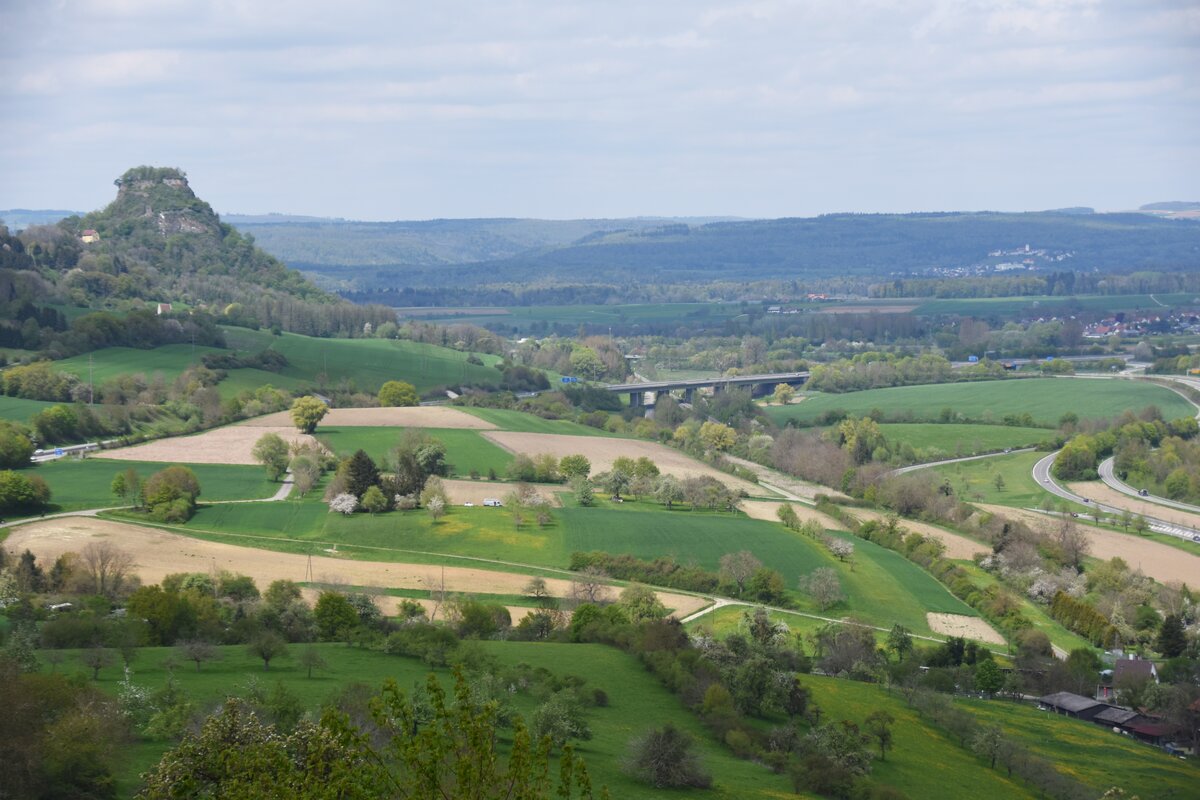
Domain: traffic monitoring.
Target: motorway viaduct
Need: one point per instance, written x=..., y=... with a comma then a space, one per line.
x=637, y=391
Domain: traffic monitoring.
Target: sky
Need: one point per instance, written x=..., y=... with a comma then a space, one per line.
x=385, y=109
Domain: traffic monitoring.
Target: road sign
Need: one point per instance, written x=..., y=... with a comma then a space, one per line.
x=58, y=451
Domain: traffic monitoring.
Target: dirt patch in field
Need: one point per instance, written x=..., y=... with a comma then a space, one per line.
x=402, y=417
x=230, y=445
x=967, y=627
x=1160, y=561
x=602, y=452
x=1096, y=490
x=159, y=553
x=957, y=547
x=460, y=491
x=769, y=510
x=787, y=483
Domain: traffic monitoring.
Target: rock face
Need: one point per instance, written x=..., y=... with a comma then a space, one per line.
x=163, y=194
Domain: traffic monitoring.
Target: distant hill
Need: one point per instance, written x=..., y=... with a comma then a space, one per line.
x=18, y=219
x=474, y=253
x=335, y=242
x=1171, y=205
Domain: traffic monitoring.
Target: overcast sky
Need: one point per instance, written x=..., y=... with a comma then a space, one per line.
x=401, y=110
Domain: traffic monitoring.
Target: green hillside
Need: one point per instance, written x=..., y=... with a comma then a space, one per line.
x=1044, y=399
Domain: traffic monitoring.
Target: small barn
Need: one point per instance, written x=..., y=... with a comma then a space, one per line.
x=1071, y=705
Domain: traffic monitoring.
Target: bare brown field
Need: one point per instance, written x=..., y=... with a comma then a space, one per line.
x=603, y=451
x=1097, y=490
x=957, y=547
x=159, y=553
x=967, y=627
x=768, y=510
x=462, y=491
x=404, y=417
x=787, y=483
x=230, y=445
x=1160, y=561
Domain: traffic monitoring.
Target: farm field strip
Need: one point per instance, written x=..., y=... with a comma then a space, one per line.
x=229, y=445
x=401, y=417
x=159, y=553
x=1045, y=399
x=17, y=409
x=466, y=450
x=961, y=438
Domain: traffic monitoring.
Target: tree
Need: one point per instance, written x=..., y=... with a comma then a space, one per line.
x=127, y=486
x=738, y=568
x=1172, y=640
x=436, y=508
x=988, y=743
x=1140, y=525
x=310, y=659
x=344, y=503
x=560, y=719
x=106, y=567
x=171, y=494
x=15, y=446
x=988, y=677
x=97, y=658
x=841, y=549
x=1072, y=542
x=581, y=487
x=640, y=603
x=574, y=465
x=360, y=473
x=998, y=482
x=717, y=435
x=879, y=725
x=307, y=413
x=783, y=394
x=335, y=616
x=824, y=587
x=536, y=588
x=22, y=492
x=268, y=646
x=272, y=452
x=198, y=650
x=305, y=473
x=669, y=491
x=374, y=501
x=663, y=758
x=398, y=393
x=899, y=641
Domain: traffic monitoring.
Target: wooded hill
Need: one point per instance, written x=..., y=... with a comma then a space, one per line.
x=488, y=252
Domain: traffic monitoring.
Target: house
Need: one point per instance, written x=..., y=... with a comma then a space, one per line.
x=89, y=236
x=163, y=308
x=1133, y=669
x=1071, y=705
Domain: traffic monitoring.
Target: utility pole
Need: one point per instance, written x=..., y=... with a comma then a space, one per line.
x=91, y=394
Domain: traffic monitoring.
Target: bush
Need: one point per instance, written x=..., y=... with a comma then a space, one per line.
x=663, y=758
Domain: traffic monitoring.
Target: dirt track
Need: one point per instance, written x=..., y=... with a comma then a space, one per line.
x=960, y=625
x=405, y=417
x=602, y=452
x=229, y=445
x=159, y=553
x=1160, y=561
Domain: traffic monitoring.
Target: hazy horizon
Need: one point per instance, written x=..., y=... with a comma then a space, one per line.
x=765, y=109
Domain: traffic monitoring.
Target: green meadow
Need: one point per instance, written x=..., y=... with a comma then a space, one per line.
x=16, y=409
x=881, y=587
x=520, y=422
x=961, y=439
x=1045, y=399
x=636, y=703
x=77, y=484
x=169, y=361
x=466, y=450
x=526, y=318
x=368, y=363
x=976, y=480
x=1048, y=305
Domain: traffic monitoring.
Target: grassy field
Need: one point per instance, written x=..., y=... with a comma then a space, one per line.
x=957, y=439
x=520, y=422
x=15, y=409
x=976, y=480
x=77, y=484
x=466, y=450
x=366, y=362
x=525, y=318
x=1092, y=753
x=169, y=361
x=881, y=587
x=1045, y=399
x=636, y=703
x=1008, y=306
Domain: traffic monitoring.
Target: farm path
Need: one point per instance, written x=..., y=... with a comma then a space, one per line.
x=930, y=464
x=785, y=485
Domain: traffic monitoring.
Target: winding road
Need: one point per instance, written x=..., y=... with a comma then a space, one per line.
x=1113, y=482
x=1041, y=474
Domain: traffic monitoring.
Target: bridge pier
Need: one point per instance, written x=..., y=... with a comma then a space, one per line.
x=689, y=394
x=637, y=399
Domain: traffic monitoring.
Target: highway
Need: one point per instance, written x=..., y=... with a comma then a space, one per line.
x=1041, y=474
x=1113, y=482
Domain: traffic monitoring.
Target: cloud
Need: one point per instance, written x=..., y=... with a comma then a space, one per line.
x=468, y=100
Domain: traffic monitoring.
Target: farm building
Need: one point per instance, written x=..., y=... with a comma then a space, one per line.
x=1071, y=705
